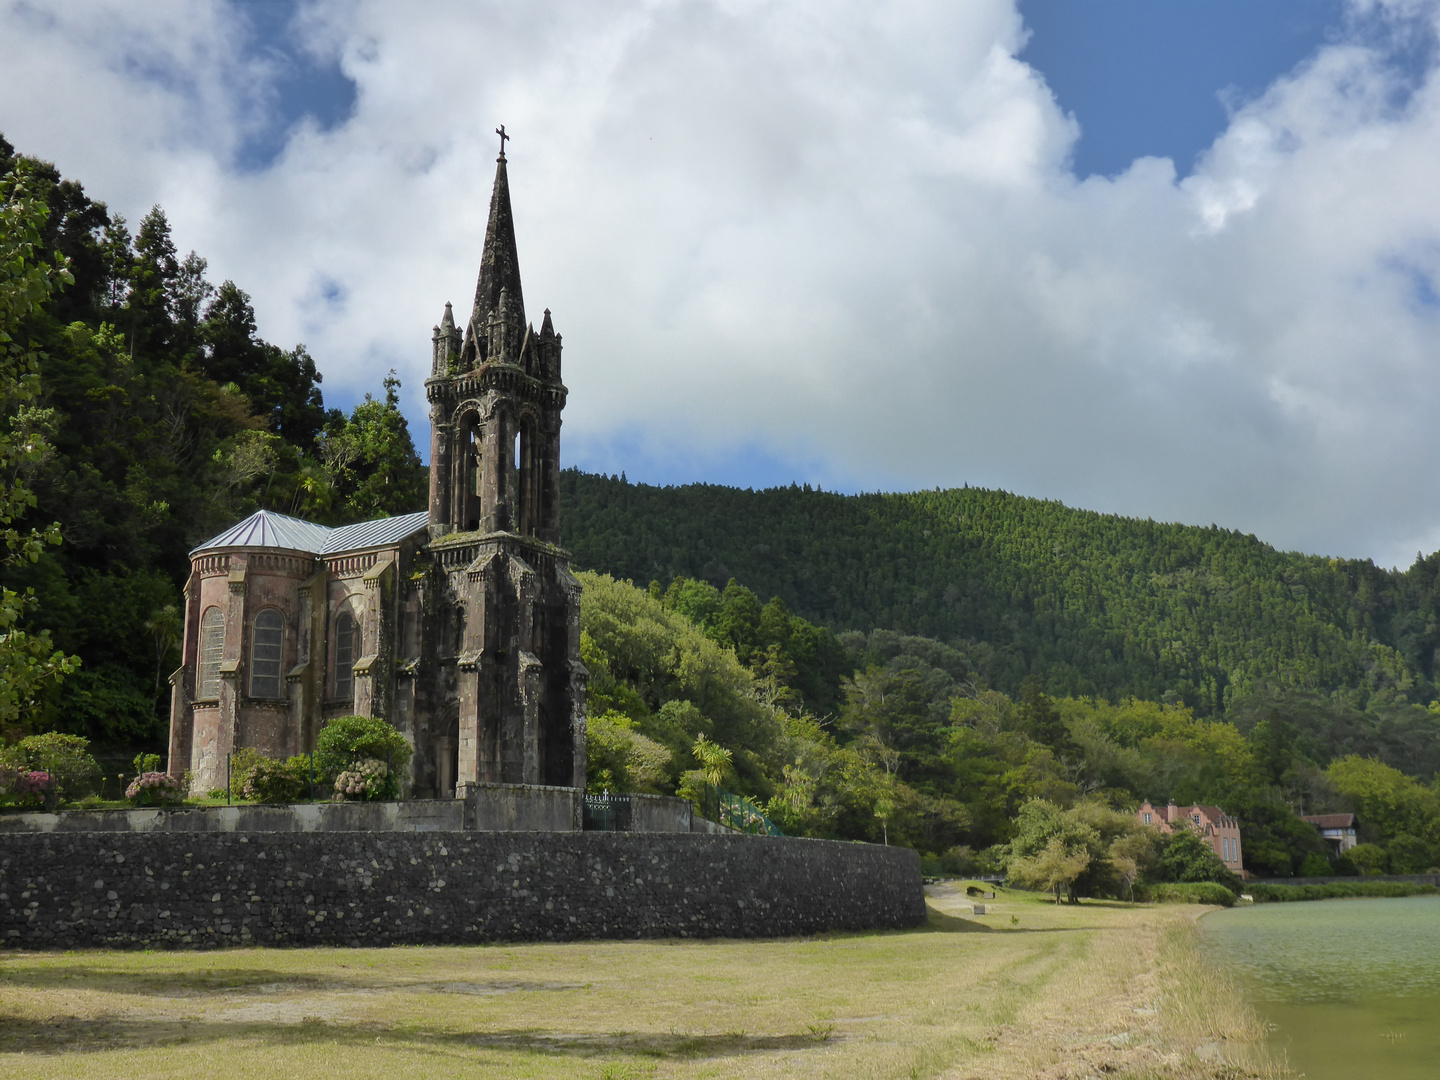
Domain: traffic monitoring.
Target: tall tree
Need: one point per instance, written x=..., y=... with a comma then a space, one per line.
x=29, y=663
x=372, y=460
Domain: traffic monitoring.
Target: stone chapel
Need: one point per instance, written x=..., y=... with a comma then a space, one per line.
x=459, y=624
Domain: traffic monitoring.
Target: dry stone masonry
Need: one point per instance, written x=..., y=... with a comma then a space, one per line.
x=129, y=890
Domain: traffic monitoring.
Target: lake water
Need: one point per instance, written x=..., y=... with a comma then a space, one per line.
x=1352, y=986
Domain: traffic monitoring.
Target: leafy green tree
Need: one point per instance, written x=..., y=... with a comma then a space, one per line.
x=372, y=461
x=29, y=663
x=1369, y=859
x=1274, y=841
x=1412, y=855
x=1387, y=802
x=1186, y=856
x=1046, y=836
x=1053, y=868
x=620, y=758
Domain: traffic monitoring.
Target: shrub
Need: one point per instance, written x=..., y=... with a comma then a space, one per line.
x=347, y=740
x=243, y=762
x=155, y=789
x=365, y=780
x=1315, y=866
x=272, y=781
x=1186, y=892
x=26, y=787
x=1345, y=868
x=1338, y=890
x=66, y=758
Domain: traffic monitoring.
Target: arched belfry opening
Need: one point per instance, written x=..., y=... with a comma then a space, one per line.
x=469, y=483
x=496, y=398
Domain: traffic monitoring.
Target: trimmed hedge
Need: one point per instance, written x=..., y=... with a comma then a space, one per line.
x=1339, y=889
x=1186, y=892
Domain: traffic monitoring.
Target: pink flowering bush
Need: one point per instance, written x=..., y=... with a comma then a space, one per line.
x=155, y=789
x=30, y=788
x=366, y=779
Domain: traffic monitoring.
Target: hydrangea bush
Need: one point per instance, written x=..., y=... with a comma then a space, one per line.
x=30, y=788
x=155, y=789
x=364, y=780
x=65, y=759
x=346, y=741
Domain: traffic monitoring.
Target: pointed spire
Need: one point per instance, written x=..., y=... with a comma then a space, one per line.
x=499, y=264
x=448, y=322
x=547, y=328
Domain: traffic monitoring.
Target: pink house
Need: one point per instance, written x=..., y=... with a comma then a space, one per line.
x=1214, y=825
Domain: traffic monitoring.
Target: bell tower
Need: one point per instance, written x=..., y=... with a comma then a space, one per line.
x=506, y=619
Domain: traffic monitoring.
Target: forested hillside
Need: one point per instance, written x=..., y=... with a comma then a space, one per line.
x=1090, y=604
x=913, y=748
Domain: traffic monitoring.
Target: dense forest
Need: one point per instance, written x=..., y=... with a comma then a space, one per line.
x=935, y=669
x=912, y=746
x=1089, y=604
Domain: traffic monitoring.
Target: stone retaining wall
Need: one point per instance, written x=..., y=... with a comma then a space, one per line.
x=173, y=889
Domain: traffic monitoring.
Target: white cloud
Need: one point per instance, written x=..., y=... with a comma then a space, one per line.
x=842, y=233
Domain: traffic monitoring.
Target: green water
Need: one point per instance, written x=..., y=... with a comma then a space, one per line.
x=1352, y=986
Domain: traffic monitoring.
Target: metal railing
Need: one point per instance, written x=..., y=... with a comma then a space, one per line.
x=735, y=812
x=608, y=813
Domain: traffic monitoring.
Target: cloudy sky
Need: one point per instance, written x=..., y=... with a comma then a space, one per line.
x=1171, y=259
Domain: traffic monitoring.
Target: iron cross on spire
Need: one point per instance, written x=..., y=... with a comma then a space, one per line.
x=503, y=138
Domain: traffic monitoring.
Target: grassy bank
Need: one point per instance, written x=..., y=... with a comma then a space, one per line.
x=1026, y=990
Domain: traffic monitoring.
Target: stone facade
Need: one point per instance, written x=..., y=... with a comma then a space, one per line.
x=460, y=624
x=170, y=889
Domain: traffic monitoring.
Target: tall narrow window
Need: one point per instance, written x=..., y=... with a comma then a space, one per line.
x=265, y=642
x=212, y=651
x=344, y=656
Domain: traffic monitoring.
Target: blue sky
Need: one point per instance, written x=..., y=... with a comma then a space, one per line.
x=1152, y=78
x=1169, y=258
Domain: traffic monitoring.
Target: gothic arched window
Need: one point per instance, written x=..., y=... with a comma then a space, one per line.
x=345, y=635
x=265, y=648
x=212, y=651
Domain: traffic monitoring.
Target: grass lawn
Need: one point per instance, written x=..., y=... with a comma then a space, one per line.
x=1026, y=990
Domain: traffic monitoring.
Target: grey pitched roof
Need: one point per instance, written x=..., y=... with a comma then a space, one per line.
x=377, y=533
x=264, y=529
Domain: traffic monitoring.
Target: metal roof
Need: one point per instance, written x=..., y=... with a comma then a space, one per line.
x=264, y=529
x=377, y=533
